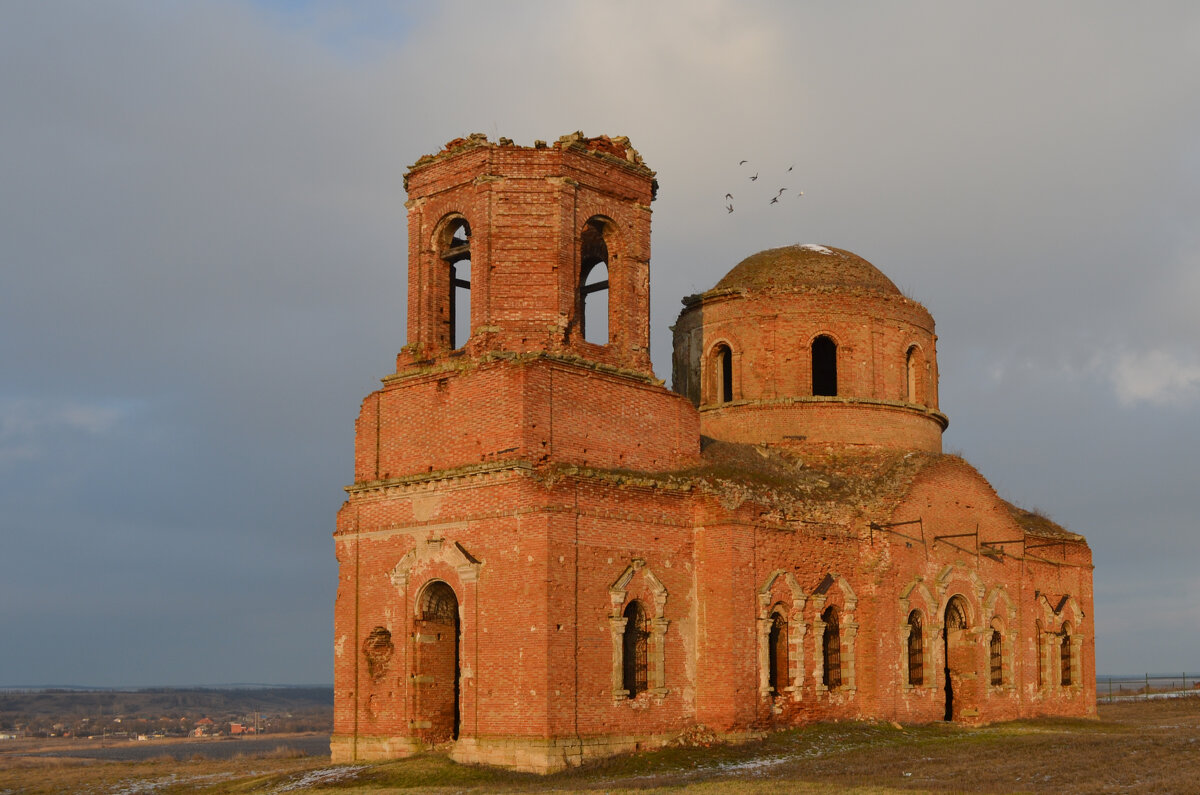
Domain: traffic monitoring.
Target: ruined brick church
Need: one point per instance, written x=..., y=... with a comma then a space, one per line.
x=548, y=556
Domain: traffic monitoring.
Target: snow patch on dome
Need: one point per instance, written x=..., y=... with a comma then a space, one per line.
x=816, y=248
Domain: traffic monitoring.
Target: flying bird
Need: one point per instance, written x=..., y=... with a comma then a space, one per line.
x=775, y=200
x=729, y=208
x=781, y=190
x=743, y=162
x=729, y=196
x=754, y=177
x=790, y=168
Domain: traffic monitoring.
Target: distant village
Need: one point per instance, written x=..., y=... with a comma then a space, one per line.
x=162, y=713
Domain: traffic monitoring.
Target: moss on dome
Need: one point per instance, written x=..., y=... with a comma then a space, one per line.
x=806, y=268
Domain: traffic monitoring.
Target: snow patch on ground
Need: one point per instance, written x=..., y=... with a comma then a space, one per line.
x=156, y=784
x=328, y=775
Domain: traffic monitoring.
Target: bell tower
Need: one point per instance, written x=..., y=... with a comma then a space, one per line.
x=528, y=317
x=518, y=249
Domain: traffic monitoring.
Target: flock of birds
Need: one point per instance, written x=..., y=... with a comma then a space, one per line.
x=754, y=178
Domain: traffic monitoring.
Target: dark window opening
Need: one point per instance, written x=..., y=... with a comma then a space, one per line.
x=1065, y=658
x=777, y=654
x=824, y=367
x=952, y=640
x=996, y=655
x=723, y=361
x=457, y=256
x=593, y=284
x=635, y=657
x=831, y=645
x=916, y=650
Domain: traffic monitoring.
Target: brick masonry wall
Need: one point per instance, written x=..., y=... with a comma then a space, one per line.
x=519, y=471
x=770, y=337
x=536, y=409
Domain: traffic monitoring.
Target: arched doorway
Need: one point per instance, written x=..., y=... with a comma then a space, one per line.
x=954, y=648
x=437, y=637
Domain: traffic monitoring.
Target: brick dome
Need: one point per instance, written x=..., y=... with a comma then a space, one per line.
x=807, y=268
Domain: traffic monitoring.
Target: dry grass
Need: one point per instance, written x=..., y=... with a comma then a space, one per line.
x=1147, y=746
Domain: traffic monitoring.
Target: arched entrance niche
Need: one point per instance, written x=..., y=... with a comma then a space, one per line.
x=436, y=668
x=957, y=654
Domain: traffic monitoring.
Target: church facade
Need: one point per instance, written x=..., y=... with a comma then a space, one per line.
x=548, y=556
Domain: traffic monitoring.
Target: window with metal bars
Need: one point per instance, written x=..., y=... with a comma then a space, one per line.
x=1041, y=657
x=777, y=653
x=1065, y=658
x=916, y=650
x=996, y=656
x=831, y=645
x=635, y=658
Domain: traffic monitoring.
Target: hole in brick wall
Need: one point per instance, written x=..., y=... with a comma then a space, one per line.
x=378, y=650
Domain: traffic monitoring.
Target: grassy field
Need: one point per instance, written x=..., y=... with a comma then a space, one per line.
x=1142, y=746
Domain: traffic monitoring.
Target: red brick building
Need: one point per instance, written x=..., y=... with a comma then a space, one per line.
x=546, y=555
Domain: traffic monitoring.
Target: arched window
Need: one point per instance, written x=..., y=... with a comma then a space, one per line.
x=996, y=657
x=593, y=283
x=916, y=650
x=722, y=364
x=439, y=604
x=914, y=370
x=777, y=653
x=635, y=658
x=956, y=614
x=831, y=647
x=824, y=366
x=1064, y=656
x=456, y=253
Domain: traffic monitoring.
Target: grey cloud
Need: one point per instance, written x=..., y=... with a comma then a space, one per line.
x=203, y=230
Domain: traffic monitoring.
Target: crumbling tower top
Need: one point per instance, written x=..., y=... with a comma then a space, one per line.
x=530, y=249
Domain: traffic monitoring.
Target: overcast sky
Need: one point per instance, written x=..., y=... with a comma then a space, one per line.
x=203, y=262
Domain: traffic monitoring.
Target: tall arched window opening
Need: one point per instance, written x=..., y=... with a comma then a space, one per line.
x=722, y=362
x=777, y=653
x=437, y=662
x=593, y=284
x=996, y=658
x=914, y=370
x=916, y=650
x=956, y=648
x=831, y=648
x=456, y=253
x=1064, y=657
x=824, y=366
x=635, y=658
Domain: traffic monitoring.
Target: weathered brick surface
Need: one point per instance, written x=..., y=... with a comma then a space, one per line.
x=549, y=482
